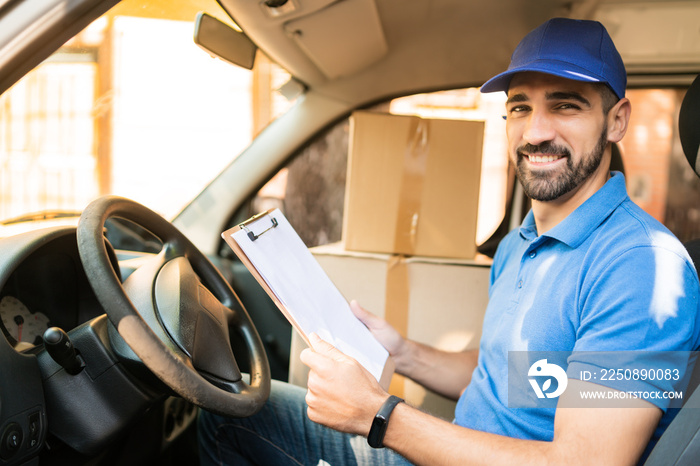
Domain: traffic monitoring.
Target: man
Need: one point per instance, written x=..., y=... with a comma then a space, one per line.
x=587, y=274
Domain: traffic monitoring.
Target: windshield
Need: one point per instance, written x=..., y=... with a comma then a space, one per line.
x=130, y=106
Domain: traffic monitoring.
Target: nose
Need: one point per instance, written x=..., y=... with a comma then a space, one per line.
x=539, y=128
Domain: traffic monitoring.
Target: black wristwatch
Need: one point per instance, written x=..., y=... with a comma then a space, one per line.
x=381, y=422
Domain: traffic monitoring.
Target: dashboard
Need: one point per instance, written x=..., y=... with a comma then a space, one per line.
x=47, y=288
x=43, y=284
x=48, y=413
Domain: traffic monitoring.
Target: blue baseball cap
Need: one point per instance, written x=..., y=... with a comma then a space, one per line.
x=581, y=50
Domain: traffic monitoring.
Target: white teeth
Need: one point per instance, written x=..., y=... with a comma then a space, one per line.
x=543, y=158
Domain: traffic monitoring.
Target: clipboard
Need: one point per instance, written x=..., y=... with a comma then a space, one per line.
x=281, y=263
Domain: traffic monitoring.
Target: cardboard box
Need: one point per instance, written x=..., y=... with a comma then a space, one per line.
x=441, y=303
x=413, y=185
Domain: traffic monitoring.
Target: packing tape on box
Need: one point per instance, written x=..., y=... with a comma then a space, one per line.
x=411, y=189
x=396, y=307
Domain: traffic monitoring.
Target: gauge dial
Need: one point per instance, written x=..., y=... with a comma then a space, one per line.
x=21, y=324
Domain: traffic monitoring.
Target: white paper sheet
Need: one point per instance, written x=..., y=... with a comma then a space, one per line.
x=306, y=292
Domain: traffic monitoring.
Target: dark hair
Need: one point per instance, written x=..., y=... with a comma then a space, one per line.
x=608, y=97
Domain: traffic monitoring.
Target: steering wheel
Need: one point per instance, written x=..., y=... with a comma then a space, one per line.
x=175, y=311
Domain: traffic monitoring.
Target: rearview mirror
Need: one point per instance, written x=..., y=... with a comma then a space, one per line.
x=224, y=42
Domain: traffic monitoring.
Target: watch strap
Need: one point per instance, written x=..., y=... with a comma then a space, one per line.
x=375, y=438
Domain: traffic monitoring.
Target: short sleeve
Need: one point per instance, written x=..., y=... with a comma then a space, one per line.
x=638, y=314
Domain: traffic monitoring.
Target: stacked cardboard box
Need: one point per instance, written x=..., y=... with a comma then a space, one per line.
x=413, y=185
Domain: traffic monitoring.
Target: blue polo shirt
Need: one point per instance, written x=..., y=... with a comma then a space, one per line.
x=609, y=277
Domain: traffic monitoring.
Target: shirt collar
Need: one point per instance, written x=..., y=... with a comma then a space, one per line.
x=583, y=221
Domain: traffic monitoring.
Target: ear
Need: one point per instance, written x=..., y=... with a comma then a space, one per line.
x=618, y=119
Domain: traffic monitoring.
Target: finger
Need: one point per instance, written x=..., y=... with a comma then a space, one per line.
x=319, y=358
x=324, y=348
x=307, y=356
x=313, y=382
x=361, y=313
x=313, y=359
x=318, y=344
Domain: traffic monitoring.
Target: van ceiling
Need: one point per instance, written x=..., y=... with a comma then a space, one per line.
x=406, y=41
x=361, y=50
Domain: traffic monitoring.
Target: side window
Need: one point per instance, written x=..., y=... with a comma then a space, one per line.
x=310, y=190
x=659, y=178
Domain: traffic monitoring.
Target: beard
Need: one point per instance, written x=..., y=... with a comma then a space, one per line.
x=548, y=185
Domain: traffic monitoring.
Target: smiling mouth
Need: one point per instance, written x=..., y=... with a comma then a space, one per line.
x=543, y=158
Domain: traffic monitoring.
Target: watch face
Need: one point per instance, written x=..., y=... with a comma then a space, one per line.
x=377, y=431
x=375, y=438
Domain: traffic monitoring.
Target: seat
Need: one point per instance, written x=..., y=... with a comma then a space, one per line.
x=680, y=443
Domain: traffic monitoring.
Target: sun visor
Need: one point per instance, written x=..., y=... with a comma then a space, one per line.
x=342, y=38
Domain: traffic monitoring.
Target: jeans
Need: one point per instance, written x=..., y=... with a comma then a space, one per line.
x=281, y=434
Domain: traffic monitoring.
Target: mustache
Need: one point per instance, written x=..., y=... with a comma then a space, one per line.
x=546, y=147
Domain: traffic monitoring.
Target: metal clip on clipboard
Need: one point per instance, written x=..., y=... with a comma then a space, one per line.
x=252, y=219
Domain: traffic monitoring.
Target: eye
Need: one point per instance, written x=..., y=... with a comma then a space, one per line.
x=518, y=109
x=567, y=106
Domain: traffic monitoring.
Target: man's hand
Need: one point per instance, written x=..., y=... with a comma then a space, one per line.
x=444, y=372
x=341, y=393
